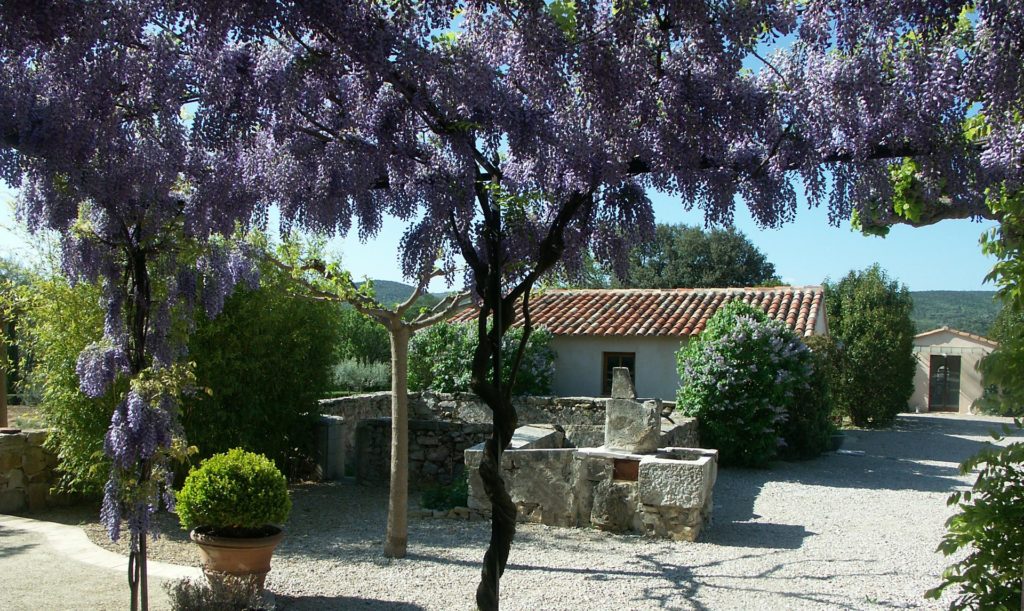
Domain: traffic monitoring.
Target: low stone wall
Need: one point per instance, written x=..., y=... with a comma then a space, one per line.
x=669, y=495
x=465, y=407
x=27, y=472
x=436, y=450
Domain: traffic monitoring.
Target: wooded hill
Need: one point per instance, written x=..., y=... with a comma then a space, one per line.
x=971, y=311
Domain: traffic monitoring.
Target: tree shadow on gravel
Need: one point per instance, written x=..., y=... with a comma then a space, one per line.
x=688, y=581
x=316, y=603
x=6, y=549
x=756, y=534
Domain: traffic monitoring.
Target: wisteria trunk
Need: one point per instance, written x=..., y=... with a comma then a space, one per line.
x=503, y=510
x=397, y=536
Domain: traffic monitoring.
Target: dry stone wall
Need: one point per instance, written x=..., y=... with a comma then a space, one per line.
x=27, y=472
x=436, y=450
x=460, y=420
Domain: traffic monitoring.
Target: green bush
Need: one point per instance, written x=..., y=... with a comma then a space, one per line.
x=741, y=378
x=445, y=497
x=236, y=491
x=225, y=593
x=362, y=339
x=261, y=366
x=1002, y=370
x=440, y=359
x=358, y=376
x=990, y=527
x=869, y=316
x=267, y=359
x=58, y=321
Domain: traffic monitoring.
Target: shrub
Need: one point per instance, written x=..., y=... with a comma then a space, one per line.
x=360, y=338
x=58, y=321
x=267, y=359
x=350, y=374
x=990, y=526
x=740, y=378
x=445, y=497
x=234, y=491
x=440, y=359
x=869, y=316
x=1003, y=369
x=225, y=593
x=263, y=364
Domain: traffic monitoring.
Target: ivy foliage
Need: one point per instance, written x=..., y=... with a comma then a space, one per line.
x=440, y=359
x=742, y=377
x=869, y=315
x=990, y=528
x=235, y=490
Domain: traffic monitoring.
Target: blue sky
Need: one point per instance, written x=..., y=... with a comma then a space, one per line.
x=945, y=256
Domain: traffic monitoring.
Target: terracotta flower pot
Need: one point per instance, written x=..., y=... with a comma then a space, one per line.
x=238, y=556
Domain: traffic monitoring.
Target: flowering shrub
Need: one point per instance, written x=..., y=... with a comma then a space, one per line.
x=440, y=358
x=740, y=377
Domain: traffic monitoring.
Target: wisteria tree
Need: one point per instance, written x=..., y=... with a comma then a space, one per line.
x=516, y=134
x=92, y=133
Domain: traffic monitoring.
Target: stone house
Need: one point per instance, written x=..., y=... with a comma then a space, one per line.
x=947, y=377
x=642, y=329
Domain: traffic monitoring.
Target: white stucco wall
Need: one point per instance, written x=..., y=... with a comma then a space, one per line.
x=970, y=352
x=578, y=365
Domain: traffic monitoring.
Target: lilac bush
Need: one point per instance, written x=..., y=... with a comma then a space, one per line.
x=741, y=377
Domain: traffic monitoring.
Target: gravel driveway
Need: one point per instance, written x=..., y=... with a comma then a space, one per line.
x=839, y=532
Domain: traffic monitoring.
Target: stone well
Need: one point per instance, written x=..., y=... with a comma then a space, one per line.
x=628, y=484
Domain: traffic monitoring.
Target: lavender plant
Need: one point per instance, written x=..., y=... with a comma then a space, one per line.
x=740, y=377
x=508, y=134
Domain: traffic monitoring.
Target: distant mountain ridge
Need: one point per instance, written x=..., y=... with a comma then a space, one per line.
x=971, y=311
x=389, y=293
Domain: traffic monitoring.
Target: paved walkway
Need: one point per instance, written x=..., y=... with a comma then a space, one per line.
x=55, y=567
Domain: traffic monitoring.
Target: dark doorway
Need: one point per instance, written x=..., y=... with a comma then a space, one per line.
x=612, y=360
x=944, y=383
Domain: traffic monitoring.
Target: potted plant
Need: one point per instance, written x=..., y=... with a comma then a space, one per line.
x=234, y=505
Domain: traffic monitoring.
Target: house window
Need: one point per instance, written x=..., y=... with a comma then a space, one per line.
x=944, y=382
x=612, y=360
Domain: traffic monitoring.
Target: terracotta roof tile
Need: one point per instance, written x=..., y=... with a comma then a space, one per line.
x=664, y=312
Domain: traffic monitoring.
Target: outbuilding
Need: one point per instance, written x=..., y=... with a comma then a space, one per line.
x=596, y=330
x=947, y=377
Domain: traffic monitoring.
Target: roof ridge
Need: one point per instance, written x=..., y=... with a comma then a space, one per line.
x=727, y=289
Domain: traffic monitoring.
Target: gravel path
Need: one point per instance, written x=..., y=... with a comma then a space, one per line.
x=839, y=532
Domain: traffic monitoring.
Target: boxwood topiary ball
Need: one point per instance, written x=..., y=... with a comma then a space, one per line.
x=234, y=491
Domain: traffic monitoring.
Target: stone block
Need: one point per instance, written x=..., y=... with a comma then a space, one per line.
x=13, y=443
x=438, y=454
x=622, y=384
x=10, y=460
x=36, y=437
x=679, y=477
x=536, y=437
x=543, y=477
x=12, y=501
x=16, y=479
x=34, y=460
x=681, y=434
x=615, y=507
x=36, y=495
x=631, y=426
